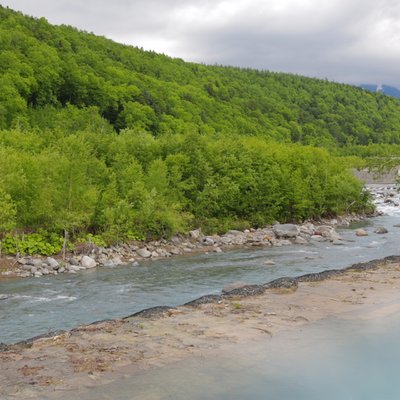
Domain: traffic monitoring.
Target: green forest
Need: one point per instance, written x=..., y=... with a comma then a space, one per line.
x=111, y=142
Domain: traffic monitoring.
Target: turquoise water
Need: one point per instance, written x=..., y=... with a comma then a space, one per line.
x=335, y=359
x=32, y=307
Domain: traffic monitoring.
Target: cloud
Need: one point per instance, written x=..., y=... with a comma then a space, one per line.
x=345, y=40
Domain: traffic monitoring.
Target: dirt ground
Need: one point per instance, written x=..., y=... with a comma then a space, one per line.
x=98, y=354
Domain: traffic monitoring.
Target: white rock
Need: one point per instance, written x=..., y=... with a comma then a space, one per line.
x=53, y=263
x=88, y=262
x=143, y=253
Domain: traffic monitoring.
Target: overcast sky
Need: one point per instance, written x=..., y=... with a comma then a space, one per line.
x=355, y=41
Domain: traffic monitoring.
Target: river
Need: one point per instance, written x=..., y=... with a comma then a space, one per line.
x=32, y=306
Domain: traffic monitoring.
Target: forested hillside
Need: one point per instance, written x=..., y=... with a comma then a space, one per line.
x=123, y=143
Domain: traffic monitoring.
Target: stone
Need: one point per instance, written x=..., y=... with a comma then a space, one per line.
x=74, y=268
x=286, y=230
x=22, y=261
x=337, y=243
x=195, y=234
x=208, y=241
x=73, y=261
x=109, y=264
x=269, y=262
x=380, y=230
x=144, y=253
x=361, y=232
x=154, y=254
x=53, y=263
x=318, y=238
x=36, y=262
x=300, y=240
x=88, y=262
x=217, y=250
x=324, y=230
x=37, y=274
x=45, y=271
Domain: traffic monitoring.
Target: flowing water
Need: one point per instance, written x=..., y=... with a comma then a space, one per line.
x=30, y=307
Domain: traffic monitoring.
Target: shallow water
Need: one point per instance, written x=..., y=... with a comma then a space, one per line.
x=334, y=359
x=34, y=306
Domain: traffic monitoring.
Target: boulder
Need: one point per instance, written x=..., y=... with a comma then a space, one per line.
x=324, y=230
x=286, y=230
x=144, y=253
x=300, y=240
x=73, y=261
x=208, y=241
x=53, y=263
x=195, y=234
x=88, y=262
x=269, y=262
x=380, y=230
x=361, y=232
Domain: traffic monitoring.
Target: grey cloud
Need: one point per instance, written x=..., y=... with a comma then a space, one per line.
x=345, y=40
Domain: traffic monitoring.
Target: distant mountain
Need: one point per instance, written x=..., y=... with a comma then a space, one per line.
x=384, y=89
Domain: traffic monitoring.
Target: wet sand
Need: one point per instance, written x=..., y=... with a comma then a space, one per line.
x=103, y=353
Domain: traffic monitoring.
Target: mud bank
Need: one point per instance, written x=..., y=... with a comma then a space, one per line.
x=100, y=353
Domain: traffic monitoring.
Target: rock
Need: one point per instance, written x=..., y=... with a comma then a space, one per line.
x=300, y=240
x=286, y=230
x=53, y=263
x=74, y=268
x=380, y=230
x=109, y=264
x=36, y=262
x=217, y=250
x=22, y=261
x=73, y=261
x=318, y=238
x=45, y=271
x=337, y=243
x=175, y=251
x=88, y=262
x=208, y=241
x=269, y=262
x=117, y=261
x=324, y=230
x=195, y=234
x=61, y=270
x=154, y=254
x=144, y=253
x=361, y=232
x=37, y=274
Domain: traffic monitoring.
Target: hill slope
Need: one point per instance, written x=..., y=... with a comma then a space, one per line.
x=106, y=139
x=43, y=65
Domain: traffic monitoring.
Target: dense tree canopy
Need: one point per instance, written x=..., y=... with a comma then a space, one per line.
x=100, y=137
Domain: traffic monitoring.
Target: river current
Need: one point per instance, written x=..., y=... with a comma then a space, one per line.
x=30, y=307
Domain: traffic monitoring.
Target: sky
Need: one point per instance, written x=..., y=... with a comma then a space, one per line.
x=352, y=41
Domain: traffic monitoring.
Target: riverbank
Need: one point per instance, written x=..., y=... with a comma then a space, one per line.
x=100, y=353
x=90, y=256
